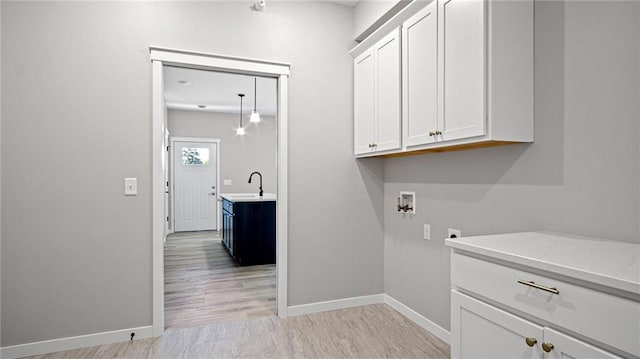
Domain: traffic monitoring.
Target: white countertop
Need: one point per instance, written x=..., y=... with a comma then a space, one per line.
x=610, y=263
x=249, y=197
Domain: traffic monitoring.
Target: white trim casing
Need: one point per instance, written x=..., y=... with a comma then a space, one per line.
x=335, y=304
x=159, y=58
x=283, y=199
x=219, y=62
x=157, y=195
x=418, y=318
x=70, y=343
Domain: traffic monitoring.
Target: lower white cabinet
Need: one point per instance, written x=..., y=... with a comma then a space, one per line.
x=565, y=346
x=480, y=330
x=544, y=295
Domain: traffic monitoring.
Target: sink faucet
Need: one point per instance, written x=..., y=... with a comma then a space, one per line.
x=259, y=174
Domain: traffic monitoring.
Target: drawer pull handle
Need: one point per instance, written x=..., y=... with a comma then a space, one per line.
x=533, y=284
x=530, y=341
x=547, y=347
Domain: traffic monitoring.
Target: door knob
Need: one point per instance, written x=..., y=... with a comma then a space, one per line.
x=438, y=132
x=431, y=133
x=530, y=341
x=547, y=347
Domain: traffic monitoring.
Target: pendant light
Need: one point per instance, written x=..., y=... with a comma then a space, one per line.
x=255, y=115
x=240, y=131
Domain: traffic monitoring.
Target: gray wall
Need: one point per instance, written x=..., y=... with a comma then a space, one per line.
x=580, y=176
x=76, y=85
x=366, y=12
x=239, y=155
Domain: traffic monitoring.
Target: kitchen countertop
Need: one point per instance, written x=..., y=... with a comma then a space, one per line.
x=249, y=197
x=613, y=264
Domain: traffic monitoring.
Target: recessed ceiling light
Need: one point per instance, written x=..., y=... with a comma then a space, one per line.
x=202, y=106
x=184, y=82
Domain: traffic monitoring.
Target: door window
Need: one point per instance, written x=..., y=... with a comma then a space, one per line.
x=195, y=156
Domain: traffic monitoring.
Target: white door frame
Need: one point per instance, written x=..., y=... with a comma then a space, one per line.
x=172, y=176
x=163, y=56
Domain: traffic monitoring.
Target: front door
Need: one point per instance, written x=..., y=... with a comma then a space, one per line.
x=195, y=177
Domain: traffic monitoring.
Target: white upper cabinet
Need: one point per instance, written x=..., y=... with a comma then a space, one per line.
x=467, y=78
x=420, y=76
x=364, y=97
x=462, y=68
x=377, y=97
x=387, y=55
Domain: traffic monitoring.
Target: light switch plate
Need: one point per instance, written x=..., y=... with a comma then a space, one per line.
x=427, y=232
x=130, y=186
x=228, y=182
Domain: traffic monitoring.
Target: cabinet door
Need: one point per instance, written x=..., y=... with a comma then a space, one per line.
x=363, y=96
x=462, y=111
x=387, y=65
x=419, y=76
x=479, y=330
x=566, y=347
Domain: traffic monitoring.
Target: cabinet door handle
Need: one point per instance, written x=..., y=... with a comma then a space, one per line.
x=533, y=284
x=431, y=133
x=438, y=132
x=547, y=347
x=530, y=341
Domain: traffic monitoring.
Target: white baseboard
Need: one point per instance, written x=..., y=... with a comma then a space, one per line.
x=82, y=341
x=419, y=319
x=57, y=345
x=334, y=304
x=411, y=314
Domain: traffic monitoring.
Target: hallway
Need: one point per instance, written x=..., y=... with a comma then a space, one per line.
x=203, y=285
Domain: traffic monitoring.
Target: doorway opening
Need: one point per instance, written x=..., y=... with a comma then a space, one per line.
x=219, y=195
x=220, y=125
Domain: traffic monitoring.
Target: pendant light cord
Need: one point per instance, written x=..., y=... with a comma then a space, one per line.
x=255, y=94
x=241, y=96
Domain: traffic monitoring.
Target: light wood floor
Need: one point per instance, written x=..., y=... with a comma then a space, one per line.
x=374, y=331
x=204, y=285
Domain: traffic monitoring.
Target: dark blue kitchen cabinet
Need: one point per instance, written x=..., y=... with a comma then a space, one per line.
x=249, y=231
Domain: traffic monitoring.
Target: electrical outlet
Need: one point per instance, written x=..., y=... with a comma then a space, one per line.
x=454, y=233
x=427, y=232
x=130, y=186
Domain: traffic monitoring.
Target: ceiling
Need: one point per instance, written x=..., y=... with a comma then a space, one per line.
x=218, y=91
x=350, y=3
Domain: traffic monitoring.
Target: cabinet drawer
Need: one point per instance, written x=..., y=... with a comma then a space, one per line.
x=607, y=318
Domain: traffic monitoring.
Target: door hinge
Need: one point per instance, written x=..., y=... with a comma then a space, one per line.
x=167, y=183
x=167, y=218
x=168, y=148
